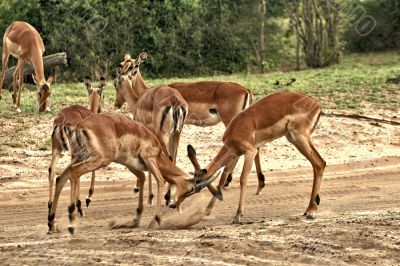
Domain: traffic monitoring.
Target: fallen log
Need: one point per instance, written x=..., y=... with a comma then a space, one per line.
x=49, y=61
x=362, y=117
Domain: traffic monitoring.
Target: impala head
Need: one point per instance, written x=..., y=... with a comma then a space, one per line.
x=119, y=98
x=96, y=95
x=193, y=185
x=43, y=92
x=126, y=70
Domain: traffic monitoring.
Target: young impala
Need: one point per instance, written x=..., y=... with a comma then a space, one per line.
x=131, y=144
x=22, y=41
x=289, y=114
x=68, y=117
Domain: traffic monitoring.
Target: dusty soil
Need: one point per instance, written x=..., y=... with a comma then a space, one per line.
x=358, y=220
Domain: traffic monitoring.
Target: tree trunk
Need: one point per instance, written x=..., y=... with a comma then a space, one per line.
x=49, y=61
x=259, y=46
x=316, y=24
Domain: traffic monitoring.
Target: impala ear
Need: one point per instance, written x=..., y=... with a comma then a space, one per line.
x=102, y=83
x=34, y=79
x=127, y=57
x=141, y=57
x=50, y=79
x=88, y=84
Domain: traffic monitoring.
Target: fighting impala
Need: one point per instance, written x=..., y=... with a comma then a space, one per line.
x=161, y=108
x=289, y=114
x=71, y=116
x=209, y=102
x=22, y=41
x=131, y=144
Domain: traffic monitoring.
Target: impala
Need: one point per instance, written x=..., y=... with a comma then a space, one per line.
x=161, y=108
x=131, y=144
x=22, y=41
x=68, y=117
x=209, y=102
x=289, y=114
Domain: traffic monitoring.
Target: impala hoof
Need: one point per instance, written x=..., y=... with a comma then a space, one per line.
x=71, y=229
x=135, y=190
x=150, y=199
x=88, y=200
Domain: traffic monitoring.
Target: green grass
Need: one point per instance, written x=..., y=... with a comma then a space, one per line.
x=359, y=80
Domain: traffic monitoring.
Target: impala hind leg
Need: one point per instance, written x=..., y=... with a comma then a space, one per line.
x=248, y=162
x=5, y=57
x=303, y=143
x=91, y=189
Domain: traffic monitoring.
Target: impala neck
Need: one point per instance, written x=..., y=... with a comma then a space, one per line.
x=138, y=84
x=129, y=95
x=37, y=63
x=94, y=102
x=220, y=160
x=169, y=170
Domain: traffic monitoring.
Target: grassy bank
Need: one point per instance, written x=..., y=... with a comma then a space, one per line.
x=358, y=81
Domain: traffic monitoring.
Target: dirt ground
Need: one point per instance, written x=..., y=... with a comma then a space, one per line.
x=358, y=221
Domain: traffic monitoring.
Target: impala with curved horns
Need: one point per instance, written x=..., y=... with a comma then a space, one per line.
x=22, y=41
x=131, y=144
x=290, y=114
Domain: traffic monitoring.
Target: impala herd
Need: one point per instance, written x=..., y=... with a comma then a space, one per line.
x=149, y=141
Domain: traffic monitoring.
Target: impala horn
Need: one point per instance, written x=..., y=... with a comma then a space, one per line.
x=207, y=183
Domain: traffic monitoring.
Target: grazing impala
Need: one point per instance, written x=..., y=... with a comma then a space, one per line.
x=22, y=41
x=131, y=144
x=289, y=114
x=209, y=102
x=161, y=108
x=68, y=117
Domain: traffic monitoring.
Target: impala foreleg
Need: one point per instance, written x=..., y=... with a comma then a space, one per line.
x=248, y=162
x=260, y=176
x=55, y=155
x=141, y=178
x=15, y=92
x=228, y=180
x=20, y=66
x=152, y=166
x=227, y=170
x=78, y=199
x=94, y=162
x=151, y=195
x=60, y=182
